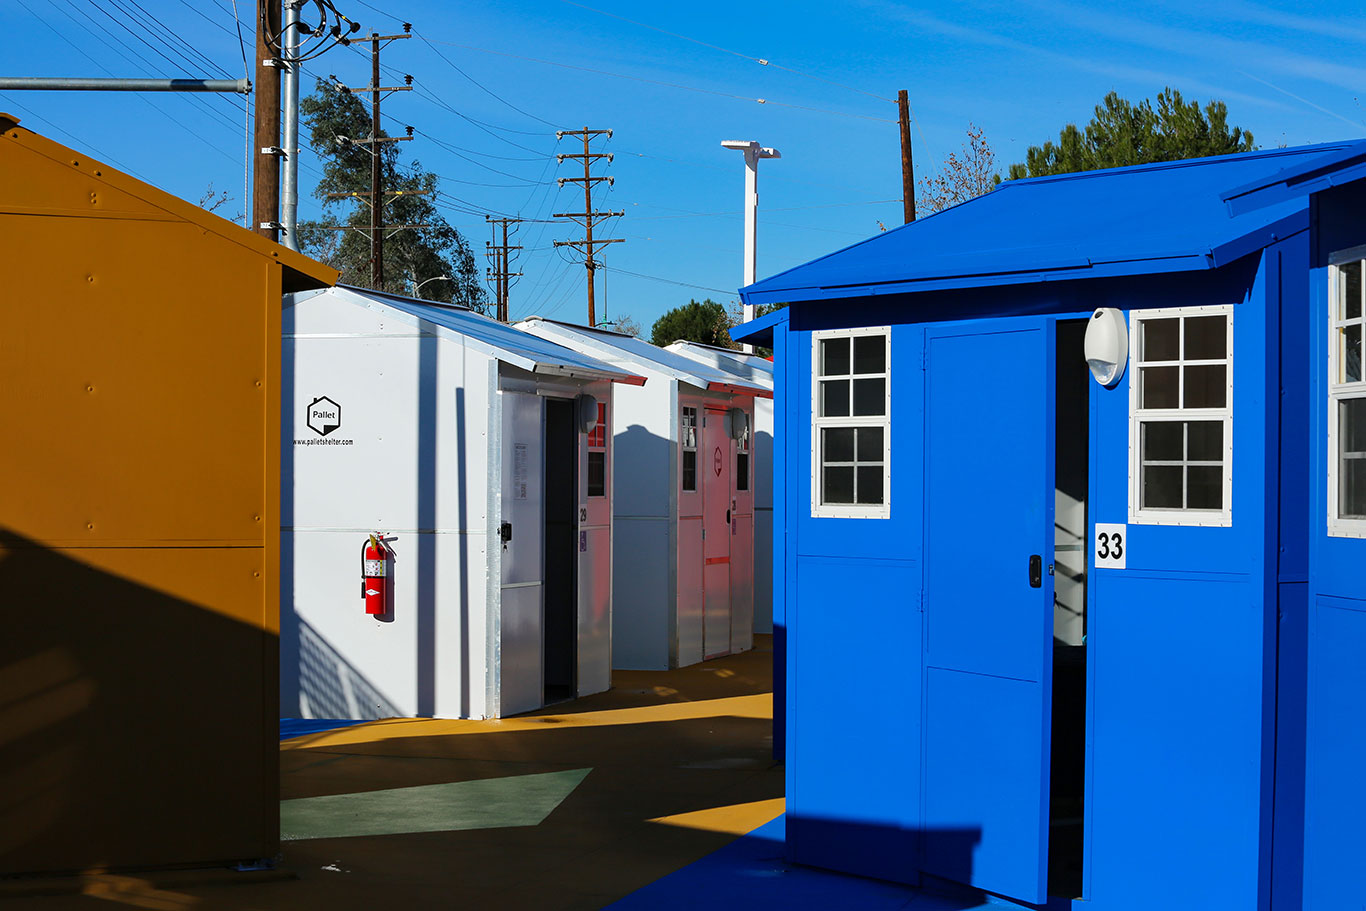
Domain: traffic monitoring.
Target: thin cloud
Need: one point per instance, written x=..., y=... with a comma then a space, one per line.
x=929, y=23
x=1318, y=107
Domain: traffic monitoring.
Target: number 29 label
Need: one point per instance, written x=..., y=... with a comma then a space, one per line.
x=1111, y=546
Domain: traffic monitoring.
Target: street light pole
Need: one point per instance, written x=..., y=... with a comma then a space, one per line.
x=417, y=290
x=753, y=152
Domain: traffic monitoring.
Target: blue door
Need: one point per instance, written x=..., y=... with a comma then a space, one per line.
x=988, y=605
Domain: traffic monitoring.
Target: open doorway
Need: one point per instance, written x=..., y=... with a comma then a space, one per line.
x=560, y=626
x=1070, y=552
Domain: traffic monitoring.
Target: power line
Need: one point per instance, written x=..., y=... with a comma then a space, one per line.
x=674, y=85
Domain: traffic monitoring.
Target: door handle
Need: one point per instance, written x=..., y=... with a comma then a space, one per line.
x=505, y=532
x=1035, y=571
x=727, y=516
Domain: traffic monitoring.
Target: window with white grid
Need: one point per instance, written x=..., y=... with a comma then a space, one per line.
x=1181, y=416
x=1346, y=395
x=851, y=422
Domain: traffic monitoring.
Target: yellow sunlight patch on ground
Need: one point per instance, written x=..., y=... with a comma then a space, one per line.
x=755, y=706
x=737, y=819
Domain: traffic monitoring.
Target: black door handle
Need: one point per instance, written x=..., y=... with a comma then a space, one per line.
x=505, y=532
x=1035, y=570
x=727, y=516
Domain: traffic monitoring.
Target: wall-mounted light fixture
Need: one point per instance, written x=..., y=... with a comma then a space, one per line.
x=1107, y=345
x=587, y=407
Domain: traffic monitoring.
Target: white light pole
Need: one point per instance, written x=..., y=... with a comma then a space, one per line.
x=753, y=152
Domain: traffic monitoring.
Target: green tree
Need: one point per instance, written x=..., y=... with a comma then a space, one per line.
x=706, y=322
x=1122, y=133
x=411, y=255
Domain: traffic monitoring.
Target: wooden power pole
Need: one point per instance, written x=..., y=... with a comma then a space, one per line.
x=500, y=273
x=378, y=197
x=587, y=218
x=265, y=193
x=907, y=165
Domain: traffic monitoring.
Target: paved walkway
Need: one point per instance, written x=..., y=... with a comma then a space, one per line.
x=576, y=806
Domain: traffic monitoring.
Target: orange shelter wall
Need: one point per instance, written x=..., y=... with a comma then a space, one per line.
x=139, y=355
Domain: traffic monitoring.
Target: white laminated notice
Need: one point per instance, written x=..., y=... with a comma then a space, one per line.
x=374, y=569
x=519, y=464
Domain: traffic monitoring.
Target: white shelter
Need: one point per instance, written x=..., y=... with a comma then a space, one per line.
x=683, y=563
x=482, y=456
x=758, y=370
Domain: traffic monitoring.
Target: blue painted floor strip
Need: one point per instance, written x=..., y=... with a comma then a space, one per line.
x=297, y=727
x=750, y=873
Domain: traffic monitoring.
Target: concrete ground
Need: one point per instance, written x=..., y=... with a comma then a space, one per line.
x=575, y=806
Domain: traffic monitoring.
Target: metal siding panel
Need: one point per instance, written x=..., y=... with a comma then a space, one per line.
x=1177, y=734
x=764, y=462
x=690, y=592
x=595, y=611
x=853, y=800
x=378, y=385
x=1336, y=740
x=139, y=431
x=640, y=596
x=742, y=563
x=351, y=664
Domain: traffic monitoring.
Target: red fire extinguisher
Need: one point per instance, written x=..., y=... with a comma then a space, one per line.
x=374, y=586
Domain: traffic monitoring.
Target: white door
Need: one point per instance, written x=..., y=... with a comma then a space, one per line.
x=522, y=541
x=714, y=468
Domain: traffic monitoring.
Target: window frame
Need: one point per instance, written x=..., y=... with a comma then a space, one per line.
x=1222, y=517
x=1337, y=392
x=597, y=443
x=742, y=448
x=820, y=509
x=684, y=448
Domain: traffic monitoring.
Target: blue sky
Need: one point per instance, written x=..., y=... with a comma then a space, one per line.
x=497, y=78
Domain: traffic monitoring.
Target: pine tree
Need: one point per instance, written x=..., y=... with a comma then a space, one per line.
x=1122, y=133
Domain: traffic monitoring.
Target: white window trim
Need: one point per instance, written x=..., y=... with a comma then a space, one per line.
x=1200, y=517
x=697, y=412
x=1338, y=392
x=821, y=510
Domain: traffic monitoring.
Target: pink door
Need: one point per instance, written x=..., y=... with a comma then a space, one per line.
x=714, y=461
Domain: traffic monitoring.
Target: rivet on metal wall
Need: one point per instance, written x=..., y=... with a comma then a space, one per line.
x=257, y=518
x=90, y=278
x=90, y=526
x=89, y=388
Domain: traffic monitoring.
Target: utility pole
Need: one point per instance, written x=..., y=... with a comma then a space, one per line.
x=378, y=198
x=265, y=193
x=907, y=165
x=587, y=218
x=293, y=73
x=499, y=274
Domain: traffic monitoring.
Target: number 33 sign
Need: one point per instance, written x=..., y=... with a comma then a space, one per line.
x=1111, y=546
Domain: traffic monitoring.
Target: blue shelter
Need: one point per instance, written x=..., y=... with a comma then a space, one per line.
x=1118, y=619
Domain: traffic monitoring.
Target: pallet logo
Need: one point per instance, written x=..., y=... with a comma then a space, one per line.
x=324, y=415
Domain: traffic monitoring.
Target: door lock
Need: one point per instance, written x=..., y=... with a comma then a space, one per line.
x=505, y=533
x=1035, y=570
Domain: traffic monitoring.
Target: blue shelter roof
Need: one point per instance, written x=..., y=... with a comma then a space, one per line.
x=1122, y=221
x=1340, y=166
